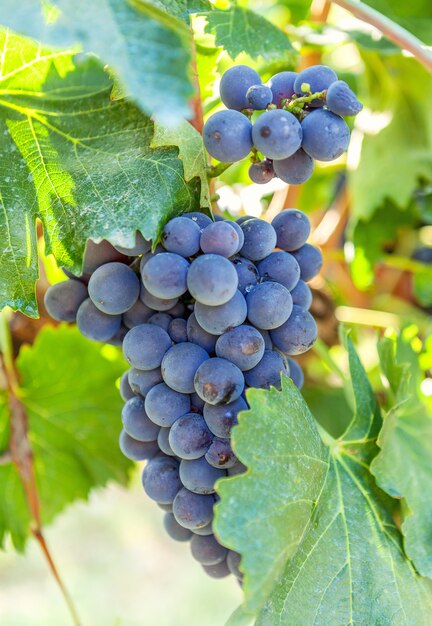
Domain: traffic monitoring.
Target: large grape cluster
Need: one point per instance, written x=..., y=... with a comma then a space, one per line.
x=216, y=308
x=302, y=121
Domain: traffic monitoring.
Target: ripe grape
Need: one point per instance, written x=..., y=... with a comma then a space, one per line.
x=174, y=530
x=193, y=510
x=310, y=261
x=163, y=441
x=220, y=454
x=341, y=100
x=138, y=314
x=164, y=275
x=207, y=550
x=296, y=373
x=259, y=97
x=126, y=390
x=199, y=476
x=212, y=279
x=141, y=381
x=220, y=570
x=190, y=437
x=63, y=300
x=97, y=254
x=261, y=172
x=247, y=273
x=227, y=136
x=296, y=169
x=94, y=324
x=268, y=371
x=137, y=450
x=145, y=345
x=297, y=334
x=269, y=305
x=177, y=330
x=181, y=236
x=218, y=381
x=318, y=77
x=218, y=319
x=196, y=334
x=277, y=134
x=220, y=238
x=114, y=288
x=141, y=246
x=282, y=86
x=234, y=85
x=136, y=422
x=180, y=364
x=280, y=267
x=302, y=295
x=163, y=320
x=325, y=135
x=154, y=303
x=292, y=229
x=243, y=346
x=222, y=418
x=161, y=480
x=164, y=405
x=200, y=219
x=260, y=239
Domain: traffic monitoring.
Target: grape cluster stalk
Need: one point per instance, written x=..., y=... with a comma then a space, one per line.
x=216, y=308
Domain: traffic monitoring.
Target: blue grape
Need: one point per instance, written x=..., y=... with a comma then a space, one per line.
x=260, y=239
x=180, y=364
x=207, y=550
x=161, y=480
x=164, y=406
x=282, y=86
x=199, y=476
x=164, y=275
x=267, y=339
x=179, y=310
x=220, y=454
x=296, y=169
x=126, y=390
x=165, y=507
x=141, y=246
x=302, y=295
x=138, y=314
x=137, y=450
x=236, y=469
x=240, y=234
x=141, y=381
x=296, y=373
x=217, y=381
x=97, y=254
x=199, y=336
x=310, y=261
x=145, y=345
x=233, y=562
x=204, y=531
x=201, y=219
x=268, y=371
x=277, y=134
x=212, y=279
x=220, y=570
x=269, y=305
x=218, y=319
x=197, y=403
x=247, y=273
x=136, y=422
x=243, y=218
x=318, y=77
x=259, y=97
x=220, y=238
x=341, y=100
x=261, y=172
x=298, y=333
x=94, y=324
x=227, y=136
x=243, y=346
x=218, y=218
x=281, y=267
x=177, y=330
x=292, y=229
x=181, y=236
x=174, y=530
x=234, y=85
x=193, y=510
x=157, y=304
x=114, y=288
x=221, y=419
x=163, y=441
x=149, y=255
x=325, y=135
x=163, y=320
x=63, y=300
x=190, y=437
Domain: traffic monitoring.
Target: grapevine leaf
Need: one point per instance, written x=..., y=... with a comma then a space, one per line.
x=403, y=467
x=67, y=388
x=316, y=534
x=80, y=162
x=146, y=43
x=240, y=30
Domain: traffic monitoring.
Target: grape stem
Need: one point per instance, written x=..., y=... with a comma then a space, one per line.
x=216, y=170
x=395, y=33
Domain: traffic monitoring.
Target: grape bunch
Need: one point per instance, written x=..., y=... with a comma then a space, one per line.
x=216, y=308
x=302, y=121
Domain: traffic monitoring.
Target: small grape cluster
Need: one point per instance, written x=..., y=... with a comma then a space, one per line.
x=302, y=121
x=217, y=308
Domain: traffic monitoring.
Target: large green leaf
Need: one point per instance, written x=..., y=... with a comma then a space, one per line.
x=316, y=534
x=68, y=390
x=81, y=163
x=415, y=16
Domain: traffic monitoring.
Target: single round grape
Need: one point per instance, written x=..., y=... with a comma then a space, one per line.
x=277, y=134
x=267, y=339
x=220, y=238
x=126, y=390
x=221, y=419
x=240, y=234
x=212, y=279
x=137, y=450
x=196, y=334
x=141, y=246
x=236, y=469
x=310, y=261
x=164, y=406
x=163, y=441
x=341, y=100
x=138, y=314
x=247, y=273
x=161, y=480
x=292, y=229
x=298, y=333
x=302, y=295
x=261, y=172
x=207, y=550
x=63, y=300
x=97, y=254
x=280, y=267
x=243, y=346
x=260, y=239
x=220, y=454
x=218, y=381
x=259, y=97
x=220, y=570
x=149, y=255
x=199, y=476
x=179, y=310
x=227, y=136
x=193, y=510
x=181, y=236
x=157, y=304
x=296, y=373
x=94, y=324
x=269, y=305
x=318, y=77
x=164, y=275
x=145, y=345
x=114, y=288
x=197, y=403
x=218, y=319
x=141, y=381
x=180, y=364
x=190, y=437
x=163, y=320
x=325, y=135
x=204, y=531
x=282, y=86
x=177, y=330
x=268, y=371
x=174, y=530
x=136, y=422
x=234, y=85
x=201, y=219
x=296, y=169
